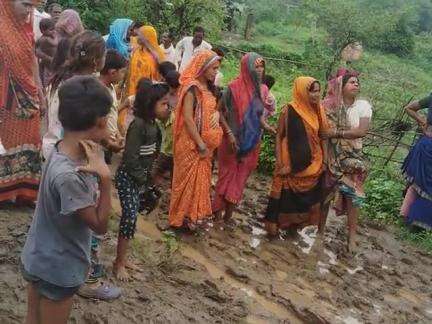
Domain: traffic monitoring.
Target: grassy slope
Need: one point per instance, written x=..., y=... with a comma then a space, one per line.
x=387, y=80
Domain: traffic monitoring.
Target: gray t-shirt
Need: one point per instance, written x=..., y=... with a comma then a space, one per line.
x=57, y=249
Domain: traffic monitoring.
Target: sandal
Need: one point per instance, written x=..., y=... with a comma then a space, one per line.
x=103, y=292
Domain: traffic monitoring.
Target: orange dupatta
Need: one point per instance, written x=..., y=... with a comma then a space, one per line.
x=313, y=121
x=145, y=60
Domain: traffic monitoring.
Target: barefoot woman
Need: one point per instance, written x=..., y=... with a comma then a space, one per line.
x=350, y=118
x=195, y=139
x=296, y=192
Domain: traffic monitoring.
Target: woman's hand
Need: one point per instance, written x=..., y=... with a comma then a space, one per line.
x=284, y=171
x=327, y=133
x=203, y=151
x=214, y=120
x=272, y=130
x=426, y=129
x=233, y=143
x=95, y=160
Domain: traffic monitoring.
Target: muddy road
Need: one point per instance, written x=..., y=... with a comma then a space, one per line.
x=238, y=276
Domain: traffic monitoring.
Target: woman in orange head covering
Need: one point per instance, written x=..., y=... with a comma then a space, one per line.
x=145, y=59
x=195, y=139
x=296, y=192
x=144, y=63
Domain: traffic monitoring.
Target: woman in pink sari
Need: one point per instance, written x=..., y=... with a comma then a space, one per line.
x=243, y=119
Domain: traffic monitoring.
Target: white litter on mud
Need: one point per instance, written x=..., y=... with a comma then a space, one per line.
x=308, y=236
x=377, y=309
x=384, y=267
x=350, y=320
x=257, y=231
x=248, y=292
x=354, y=271
x=332, y=256
x=254, y=242
x=323, y=268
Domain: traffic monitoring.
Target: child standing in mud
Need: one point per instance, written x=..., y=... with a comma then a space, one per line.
x=134, y=173
x=45, y=49
x=74, y=200
x=164, y=162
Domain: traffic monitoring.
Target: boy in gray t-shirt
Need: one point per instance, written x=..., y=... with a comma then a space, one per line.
x=74, y=200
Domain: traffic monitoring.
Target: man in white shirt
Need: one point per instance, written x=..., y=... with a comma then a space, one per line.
x=188, y=46
x=37, y=17
x=168, y=48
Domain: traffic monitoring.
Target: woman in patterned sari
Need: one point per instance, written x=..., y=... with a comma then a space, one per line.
x=350, y=119
x=196, y=135
x=20, y=95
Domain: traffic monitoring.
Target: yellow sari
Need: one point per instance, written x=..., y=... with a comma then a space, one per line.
x=145, y=60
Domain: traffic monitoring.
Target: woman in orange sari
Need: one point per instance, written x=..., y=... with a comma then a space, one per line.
x=296, y=191
x=196, y=136
x=20, y=95
x=144, y=63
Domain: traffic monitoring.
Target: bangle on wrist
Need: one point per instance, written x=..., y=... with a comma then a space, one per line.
x=202, y=148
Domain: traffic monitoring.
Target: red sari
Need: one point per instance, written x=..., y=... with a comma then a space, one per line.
x=234, y=171
x=19, y=110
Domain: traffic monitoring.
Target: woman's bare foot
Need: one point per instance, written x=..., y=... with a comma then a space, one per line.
x=272, y=230
x=120, y=272
x=217, y=217
x=132, y=266
x=352, y=244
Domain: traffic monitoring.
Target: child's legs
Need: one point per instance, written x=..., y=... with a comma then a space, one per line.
x=33, y=303
x=129, y=201
x=55, y=312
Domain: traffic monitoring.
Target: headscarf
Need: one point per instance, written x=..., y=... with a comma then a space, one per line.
x=334, y=97
x=301, y=104
x=150, y=34
x=200, y=62
x=69, y=23
x=145, y=59
x=117, y=36
x=245, y=105
x=17, y=54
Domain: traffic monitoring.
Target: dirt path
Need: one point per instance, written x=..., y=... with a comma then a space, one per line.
x=239, y=276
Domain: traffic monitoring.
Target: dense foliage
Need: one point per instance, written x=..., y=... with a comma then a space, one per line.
x=177, y=16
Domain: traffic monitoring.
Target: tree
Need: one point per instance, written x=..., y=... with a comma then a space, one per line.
x=179, y=16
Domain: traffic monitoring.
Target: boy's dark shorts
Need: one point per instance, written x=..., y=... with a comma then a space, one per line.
x=163, y=164
x=48, y=290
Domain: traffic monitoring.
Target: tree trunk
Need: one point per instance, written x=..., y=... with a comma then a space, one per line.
x=249, y=25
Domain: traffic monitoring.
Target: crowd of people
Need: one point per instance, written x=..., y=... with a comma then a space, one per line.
x=71, y=99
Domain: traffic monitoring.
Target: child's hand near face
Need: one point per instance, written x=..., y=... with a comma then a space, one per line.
x=95, y=160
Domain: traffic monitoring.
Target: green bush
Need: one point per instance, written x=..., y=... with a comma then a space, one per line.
x=397, y=39
x=383, y=195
